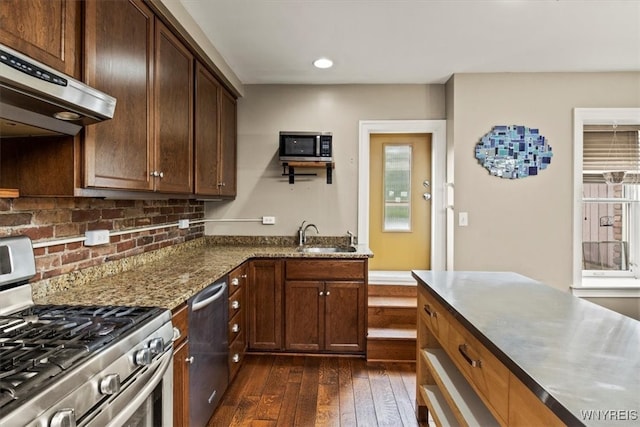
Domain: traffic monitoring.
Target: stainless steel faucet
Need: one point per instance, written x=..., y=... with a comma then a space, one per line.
x=302, y=232
x=352, y=238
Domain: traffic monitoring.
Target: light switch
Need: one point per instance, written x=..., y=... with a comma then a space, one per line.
x=463, y=219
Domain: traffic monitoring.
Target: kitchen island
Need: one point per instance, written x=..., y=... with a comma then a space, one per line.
x=532, y=354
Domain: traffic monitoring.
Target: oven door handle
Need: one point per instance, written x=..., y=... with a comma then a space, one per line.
x=219, y=292
x=143, y=394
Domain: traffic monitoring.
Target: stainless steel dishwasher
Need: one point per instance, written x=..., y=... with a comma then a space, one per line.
x=208, y=348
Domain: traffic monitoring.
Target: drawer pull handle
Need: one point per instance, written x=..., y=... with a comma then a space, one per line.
x=235, y=328
x=189, y=359
x=235, y=281
x=427, y=309
x=462, y=348
x=235, y=305
x=236, y=358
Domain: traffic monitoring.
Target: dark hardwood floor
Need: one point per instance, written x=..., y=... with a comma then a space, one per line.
x=318, y=391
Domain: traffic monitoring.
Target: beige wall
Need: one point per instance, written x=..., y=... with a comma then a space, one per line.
x=519, y=225
x=524, y=225
x=265, y=110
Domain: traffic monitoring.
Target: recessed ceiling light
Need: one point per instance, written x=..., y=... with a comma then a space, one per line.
x=323, y=63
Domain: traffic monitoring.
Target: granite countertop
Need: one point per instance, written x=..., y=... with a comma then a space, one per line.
x=577, y=357
x=173, y=279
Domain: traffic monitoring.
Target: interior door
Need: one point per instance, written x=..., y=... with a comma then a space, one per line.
x=399, y=201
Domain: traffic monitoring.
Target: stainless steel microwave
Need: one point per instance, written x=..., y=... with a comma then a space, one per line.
x=306, y=146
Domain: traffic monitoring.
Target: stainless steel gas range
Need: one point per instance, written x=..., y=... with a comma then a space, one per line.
x=79, y=365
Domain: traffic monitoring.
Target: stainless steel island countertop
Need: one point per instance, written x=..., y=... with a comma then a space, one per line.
x=580, y=359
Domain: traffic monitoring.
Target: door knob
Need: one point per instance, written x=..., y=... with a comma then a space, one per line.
x=427, y=196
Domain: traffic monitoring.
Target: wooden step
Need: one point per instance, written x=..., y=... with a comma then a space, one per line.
x=392, y=290
x=390, y=317
x=391, y=345
x=396, y=302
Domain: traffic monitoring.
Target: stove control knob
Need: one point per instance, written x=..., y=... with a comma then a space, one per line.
x=156, y=345
x=64, y=418
x=110, y=384
x=143, y=357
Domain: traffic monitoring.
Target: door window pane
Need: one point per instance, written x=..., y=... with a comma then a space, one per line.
x=397, y=188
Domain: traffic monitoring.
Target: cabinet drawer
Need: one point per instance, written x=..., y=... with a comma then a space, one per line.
x=236, y=325
x=486, y=374
x=180, y=321
x=236, y=354
x=237, y=279
x=434, y=315
x=325, y=269
x=236, y=301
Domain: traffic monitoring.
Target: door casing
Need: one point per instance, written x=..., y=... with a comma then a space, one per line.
x=440, y=258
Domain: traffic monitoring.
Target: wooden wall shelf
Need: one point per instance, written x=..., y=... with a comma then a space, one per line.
x=289, y=169
x=9, y=193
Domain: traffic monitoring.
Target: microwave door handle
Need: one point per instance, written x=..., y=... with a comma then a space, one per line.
x=317, y=145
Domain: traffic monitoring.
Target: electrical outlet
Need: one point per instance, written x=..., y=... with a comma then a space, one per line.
x=270, y=220
x=96, y=237
x=183, y=223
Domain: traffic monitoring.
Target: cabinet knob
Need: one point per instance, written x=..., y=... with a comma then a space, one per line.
x=235, y=305
x=161, y=174
x=235, y=328
x=189, y=360
x=235, y=281
x=244, y=276
x=321, y=293
x=154, y=173
x=236, y=358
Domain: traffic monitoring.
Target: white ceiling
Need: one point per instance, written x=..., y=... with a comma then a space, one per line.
x=417, y=41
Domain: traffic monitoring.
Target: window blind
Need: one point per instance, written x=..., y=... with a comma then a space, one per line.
x=601, y=153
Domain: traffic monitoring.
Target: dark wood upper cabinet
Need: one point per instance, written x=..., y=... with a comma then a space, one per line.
x=228, y=132
x=119, y=47
x=215, y=137
x=173, y=118
x=207, y=135
x=46, y=30
x=168, y=135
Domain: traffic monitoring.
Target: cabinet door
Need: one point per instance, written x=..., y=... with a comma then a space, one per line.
x=345, y=316
x=304, y=315
x=207, y=137
x=228, y=133
x=181, y=385
x=46, y=30
x=173, y=118
x=119, y=40
x=265, y=305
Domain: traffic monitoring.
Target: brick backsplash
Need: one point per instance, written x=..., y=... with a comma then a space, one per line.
x=45, y=219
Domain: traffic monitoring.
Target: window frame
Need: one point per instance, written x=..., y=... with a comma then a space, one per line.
x=599, y=285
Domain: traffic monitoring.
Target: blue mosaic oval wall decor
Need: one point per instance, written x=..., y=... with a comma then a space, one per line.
x=514, y=151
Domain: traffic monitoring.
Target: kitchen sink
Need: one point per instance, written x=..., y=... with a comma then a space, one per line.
x=326, y=249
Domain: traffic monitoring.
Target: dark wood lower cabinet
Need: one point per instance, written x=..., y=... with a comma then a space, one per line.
x=265, y=305
x=324, y=316
x=181, y=385
x=180, y=320
x=325, y=305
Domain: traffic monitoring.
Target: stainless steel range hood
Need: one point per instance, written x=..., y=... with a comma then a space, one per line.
x=37, y=100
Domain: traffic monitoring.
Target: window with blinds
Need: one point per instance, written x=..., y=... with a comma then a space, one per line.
x=605, y=150
x=611, y=212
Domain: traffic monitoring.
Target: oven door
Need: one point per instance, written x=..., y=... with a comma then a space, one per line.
x=145, y=401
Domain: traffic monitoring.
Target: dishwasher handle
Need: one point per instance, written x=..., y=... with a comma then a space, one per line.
x=205, y=298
